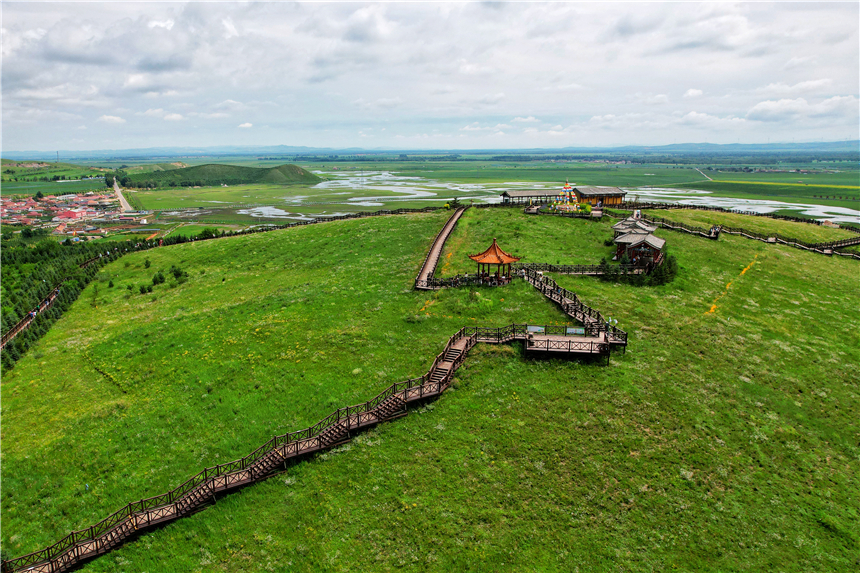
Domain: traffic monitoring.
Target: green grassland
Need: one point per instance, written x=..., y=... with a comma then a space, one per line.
x=719, y=441
x=841, y=187
x=534, y=238
x=247, y=194
x=501, y=172
x=840, y=196
x=192, y=230
x=216, y=174
x=30, y=188
x=844, y=177
x=802, y=231
x=28, y=174
x=153, y=167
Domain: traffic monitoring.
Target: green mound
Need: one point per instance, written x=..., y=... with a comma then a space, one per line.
x=217, y=174
x=720, y=441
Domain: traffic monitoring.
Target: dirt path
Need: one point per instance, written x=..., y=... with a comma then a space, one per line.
x=703, y=175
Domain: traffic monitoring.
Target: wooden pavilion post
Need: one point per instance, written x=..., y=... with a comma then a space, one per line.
x=494, y=256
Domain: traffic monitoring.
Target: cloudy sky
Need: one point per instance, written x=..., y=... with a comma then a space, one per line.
x=118, y=75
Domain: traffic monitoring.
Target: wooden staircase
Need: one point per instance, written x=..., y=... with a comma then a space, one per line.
x=333, y=435
x=391, y=407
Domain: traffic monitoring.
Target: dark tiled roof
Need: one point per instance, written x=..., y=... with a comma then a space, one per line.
x=594, y=191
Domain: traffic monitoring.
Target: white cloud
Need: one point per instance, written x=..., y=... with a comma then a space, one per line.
x=167, y=24
x=492, y=99
x=381, y=103
x=799, y=108
x=781, y=89
x=656, y=99
x=230, y=28
x=692, y=92
x=705, y=120
x=173, y=117
x=563, y=88
x=111, y=119
x=321, y=71
x=473, y=127
x=246, y=125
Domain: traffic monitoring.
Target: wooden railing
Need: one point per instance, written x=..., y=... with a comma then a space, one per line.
x=183, y=499
x=43, y=305
x=596, y=270
x=22, y=324
x=824, y=248
x=591, y=319
x=196, y=491
x=428, y=268
x=200, y=488
x=630, y=205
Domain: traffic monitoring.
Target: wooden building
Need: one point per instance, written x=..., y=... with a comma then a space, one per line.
x=529, y=196
x=495, y=256
x=640, y=247
x=602, y=196
x=630, y=224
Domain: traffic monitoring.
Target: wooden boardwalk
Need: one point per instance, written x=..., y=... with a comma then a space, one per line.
x=429, y=267
x=335, y=429
x=272, y=457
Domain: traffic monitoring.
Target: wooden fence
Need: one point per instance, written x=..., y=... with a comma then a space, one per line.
x=276, y=453
x=45, y=304
x=591, y=319
x=25, y=322
x=824, y=248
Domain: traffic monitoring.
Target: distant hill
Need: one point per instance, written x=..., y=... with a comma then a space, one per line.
x=134, y=155
x=216, y=174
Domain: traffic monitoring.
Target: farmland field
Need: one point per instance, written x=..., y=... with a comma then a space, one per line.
x=719, y=441
x=52, y=187
x=360, y=187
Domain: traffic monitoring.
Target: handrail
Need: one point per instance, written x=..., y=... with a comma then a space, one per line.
x=207, y=475
x=824, y=248
x=181, y=499
x=149, y=244
x=184, y=498
x=428, y=268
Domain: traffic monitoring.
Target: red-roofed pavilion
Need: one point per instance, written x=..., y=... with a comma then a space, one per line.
x=495, y=256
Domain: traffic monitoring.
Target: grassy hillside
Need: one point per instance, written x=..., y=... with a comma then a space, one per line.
x=719, y=441
x=802, y=231
x=216, y=174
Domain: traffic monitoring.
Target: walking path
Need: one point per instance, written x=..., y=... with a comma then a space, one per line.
x=703, y=175
x=335, y=429
x=429, y=267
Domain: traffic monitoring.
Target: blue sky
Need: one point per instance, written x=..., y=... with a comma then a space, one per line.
x=426, y=75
